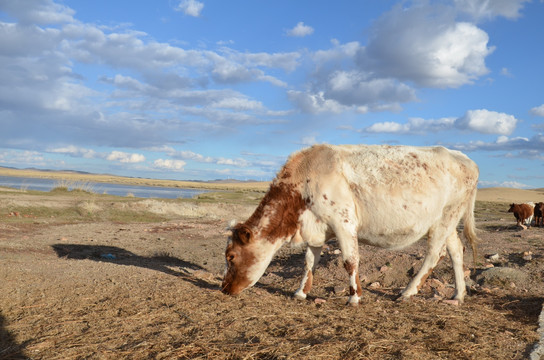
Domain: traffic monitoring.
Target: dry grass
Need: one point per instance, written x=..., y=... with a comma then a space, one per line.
x=159, y=297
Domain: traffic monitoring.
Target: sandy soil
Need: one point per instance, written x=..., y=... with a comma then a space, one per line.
x=82, y=285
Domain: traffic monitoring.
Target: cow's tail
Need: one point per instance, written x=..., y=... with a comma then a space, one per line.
x=469, y=226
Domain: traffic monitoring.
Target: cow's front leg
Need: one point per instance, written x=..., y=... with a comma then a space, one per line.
x=313, y=254
x=350, y=253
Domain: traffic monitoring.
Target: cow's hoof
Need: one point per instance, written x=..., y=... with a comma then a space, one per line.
x=353, y=301
x=403, y=298
x=299, y=295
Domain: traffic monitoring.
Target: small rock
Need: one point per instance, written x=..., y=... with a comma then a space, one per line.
x=339, y=290
x=527, y=256
x=375, y=285
x=336, y=252
x=488, y=266
x=384, y=268
x=453, y=302
x=494, y=257
x=437, y=284
x=319, y=301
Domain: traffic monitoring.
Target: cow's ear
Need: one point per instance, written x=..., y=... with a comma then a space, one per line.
x=243, y=233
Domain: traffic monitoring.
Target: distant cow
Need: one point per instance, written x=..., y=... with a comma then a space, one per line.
x=523, y=213
x=538, y=213
x=386, y=196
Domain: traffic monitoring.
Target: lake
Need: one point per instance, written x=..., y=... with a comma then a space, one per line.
x=101, y=188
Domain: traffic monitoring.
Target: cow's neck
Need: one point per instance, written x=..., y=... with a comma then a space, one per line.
x=276, y=218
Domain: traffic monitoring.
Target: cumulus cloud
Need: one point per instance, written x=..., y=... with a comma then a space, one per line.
x=190, y=7
x=507, y=184
x=169, y=164
x=190, y=155
x=125, y=157
x=487, y=122
x=75, y=151
x=314, y=103
x=538, y=111
x=425, y=44
x=479, y=9
x=300, y=30
x=414, y=125
x=40, y=12
x=525, y=147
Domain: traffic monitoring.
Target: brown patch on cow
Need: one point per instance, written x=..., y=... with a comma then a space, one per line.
x=309, y=282
x=325, y=197
x=350, y=268
x=332, y=203
x=282, y=205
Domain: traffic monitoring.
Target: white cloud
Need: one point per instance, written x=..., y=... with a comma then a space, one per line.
x=169, y=164
x=490, y=9
x=354, y=88
x=538, y=111
x=414, y=126
x=314, y=103
x=487, y=122
x=300, y=30
x=525, y=147
x=39, y=11
x=425, y=44
x=125, y=157
x=190, y=7
x=75, y=151
x=507, y=184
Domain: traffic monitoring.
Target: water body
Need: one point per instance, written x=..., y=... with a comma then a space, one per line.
x=102, y=188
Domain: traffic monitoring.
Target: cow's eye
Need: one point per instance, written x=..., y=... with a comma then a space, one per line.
x=230, y=257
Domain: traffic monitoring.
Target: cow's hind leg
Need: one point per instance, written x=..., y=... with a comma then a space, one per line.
x=436, y=249
x=455, y=250
x=313, y=254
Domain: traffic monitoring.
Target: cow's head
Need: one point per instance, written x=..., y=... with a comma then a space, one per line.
x=513, y=208
x=247, y=258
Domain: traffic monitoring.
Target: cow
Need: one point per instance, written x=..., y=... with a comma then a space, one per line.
x=523, y=214
x=385, y=196
x=538, y=212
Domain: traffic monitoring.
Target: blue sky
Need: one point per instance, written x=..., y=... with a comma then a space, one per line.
x=187, y=89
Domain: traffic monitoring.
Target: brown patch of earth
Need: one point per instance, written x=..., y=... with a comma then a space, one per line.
x=83, y=286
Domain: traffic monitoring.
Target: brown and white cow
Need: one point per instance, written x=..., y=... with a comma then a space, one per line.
x=523, y=214
x=538, y=213
x=346, y=192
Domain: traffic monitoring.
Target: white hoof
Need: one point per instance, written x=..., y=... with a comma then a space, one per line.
x=299, y=295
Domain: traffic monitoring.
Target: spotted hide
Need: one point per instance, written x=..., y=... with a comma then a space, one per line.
x=346, y=192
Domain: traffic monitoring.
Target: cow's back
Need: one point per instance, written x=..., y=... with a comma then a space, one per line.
x=399, y=192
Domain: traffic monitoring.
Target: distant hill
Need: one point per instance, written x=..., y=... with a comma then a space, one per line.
x=510, y=195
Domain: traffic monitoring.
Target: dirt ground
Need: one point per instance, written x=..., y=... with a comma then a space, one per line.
x=80, y=280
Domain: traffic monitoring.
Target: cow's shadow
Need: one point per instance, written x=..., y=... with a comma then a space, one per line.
x=112, y=254
x=9, y=348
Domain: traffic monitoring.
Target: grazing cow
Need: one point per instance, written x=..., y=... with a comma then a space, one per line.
x=523, y=213
x=538, y=212
x=346, y=192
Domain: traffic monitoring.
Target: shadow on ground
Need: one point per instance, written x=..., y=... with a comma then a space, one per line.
x=120, y=256
x=9, y=349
